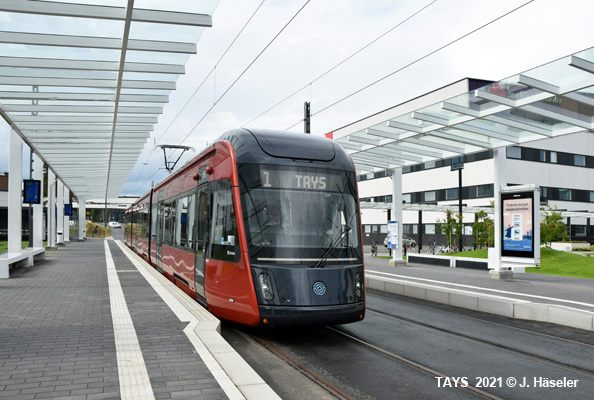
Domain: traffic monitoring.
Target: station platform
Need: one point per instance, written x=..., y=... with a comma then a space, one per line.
x=95, y=322
x=546, y=298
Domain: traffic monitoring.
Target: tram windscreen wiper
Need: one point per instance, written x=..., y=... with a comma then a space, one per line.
x=322, y=260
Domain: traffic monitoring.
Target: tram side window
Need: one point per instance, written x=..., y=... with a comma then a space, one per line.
x=127, y=223
x=144, y=220
x=181, y=217
x=201, y=220
x=168, y=228
x=154, y=222
x=224, y=243
x=191, y=211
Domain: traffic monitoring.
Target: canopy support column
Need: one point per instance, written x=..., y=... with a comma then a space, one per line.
x=397, y=215
x=51, y=209
x=15, y=202
x=66, y=221
x=82, y=219
x=38, y=208
x=60, y=214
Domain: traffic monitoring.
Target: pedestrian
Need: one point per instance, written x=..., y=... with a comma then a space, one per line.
x=374, y=249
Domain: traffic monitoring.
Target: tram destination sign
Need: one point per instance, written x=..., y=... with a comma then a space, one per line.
x=301, y=179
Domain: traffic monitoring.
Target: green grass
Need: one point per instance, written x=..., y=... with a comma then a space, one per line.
x=388, y=257
x=552, y=262
x=4, y=246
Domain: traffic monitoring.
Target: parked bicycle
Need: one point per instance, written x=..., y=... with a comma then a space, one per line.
x=444, y=250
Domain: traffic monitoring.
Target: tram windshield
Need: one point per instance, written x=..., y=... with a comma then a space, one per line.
x=303, y=216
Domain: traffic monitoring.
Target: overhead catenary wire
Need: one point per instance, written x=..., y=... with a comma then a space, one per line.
x=245, y=70
x=339, y=64
x=239, y=77
x=213, y=70
x=416, y=61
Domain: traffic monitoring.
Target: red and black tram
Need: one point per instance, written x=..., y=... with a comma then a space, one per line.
x=262, y=228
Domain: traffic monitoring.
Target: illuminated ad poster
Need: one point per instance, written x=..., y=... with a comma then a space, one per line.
x=32, y=190
x=517, y=224
x=392, y=234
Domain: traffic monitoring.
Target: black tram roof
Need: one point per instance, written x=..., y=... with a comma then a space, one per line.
x=260, y=146
x=275, y=147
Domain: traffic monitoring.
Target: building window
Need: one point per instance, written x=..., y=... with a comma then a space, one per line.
x=542, y=156
x=544, y=194
x=384, y=229
x=565, y=194
x=430, y=164
x=452, y=194
x=430, y=196
x=579, y=160
x=553, y=157
x=514, y=152
x=367, y=228
x=591, y=197
x=430, y=229
x=405, y=198
x=579, y=230
x=483, y=191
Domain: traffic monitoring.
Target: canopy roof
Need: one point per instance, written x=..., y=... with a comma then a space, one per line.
x=552, y=100
x=465, y=209
x=83, y=82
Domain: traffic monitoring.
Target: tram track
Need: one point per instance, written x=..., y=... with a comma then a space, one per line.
x=416, y=365
x=309, y=373
x=491, y=344
x=352, y=361
x=340, y=393
x=461, y=315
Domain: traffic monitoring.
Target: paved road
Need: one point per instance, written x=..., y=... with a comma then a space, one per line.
x=449, y=341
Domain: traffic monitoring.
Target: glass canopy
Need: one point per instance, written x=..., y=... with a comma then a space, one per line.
x=552, y=100
x=83, y=82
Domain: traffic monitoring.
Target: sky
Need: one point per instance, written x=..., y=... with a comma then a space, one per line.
x=328, y=55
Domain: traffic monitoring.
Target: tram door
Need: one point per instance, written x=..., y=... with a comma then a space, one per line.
x=201, y=234
x=159, y=233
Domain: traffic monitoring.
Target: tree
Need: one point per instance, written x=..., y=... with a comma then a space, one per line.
x=483, y=229
x=451, y=227
x=552, y=227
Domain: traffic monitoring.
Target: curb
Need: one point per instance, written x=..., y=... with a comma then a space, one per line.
x=499, y=305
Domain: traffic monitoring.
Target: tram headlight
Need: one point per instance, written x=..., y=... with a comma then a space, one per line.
x=265, y=287
x=358, y=284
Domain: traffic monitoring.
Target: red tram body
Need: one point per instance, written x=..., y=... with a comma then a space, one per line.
x=209, y=228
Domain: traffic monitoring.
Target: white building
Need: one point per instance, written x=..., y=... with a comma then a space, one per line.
x=563, y=166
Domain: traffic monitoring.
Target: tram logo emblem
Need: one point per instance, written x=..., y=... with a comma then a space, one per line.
x=319, y=288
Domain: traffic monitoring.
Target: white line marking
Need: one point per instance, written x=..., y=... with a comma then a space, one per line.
x=481, y=288
x=184, y=315
x=133, y=375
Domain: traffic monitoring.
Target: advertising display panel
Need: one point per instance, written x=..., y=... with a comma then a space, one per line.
x=32, y=190
x=392, y=234
x=517, y=221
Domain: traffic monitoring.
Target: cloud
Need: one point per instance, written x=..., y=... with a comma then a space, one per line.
x=323, y=35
